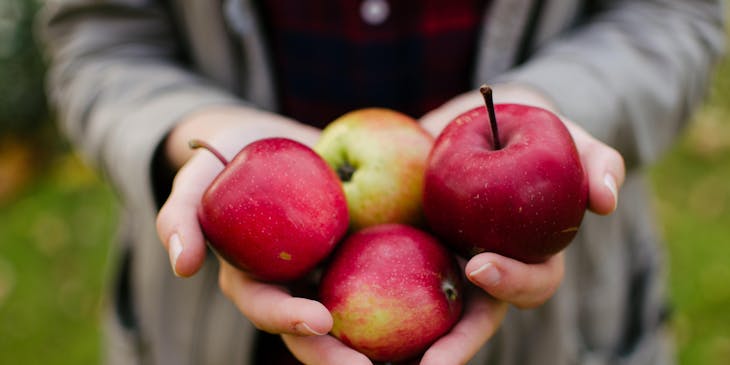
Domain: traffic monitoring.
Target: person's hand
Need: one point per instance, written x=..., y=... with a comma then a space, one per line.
x=228, y=129
x=498, y=280
x=302, y=322
x=270, y=308
x=504, y=280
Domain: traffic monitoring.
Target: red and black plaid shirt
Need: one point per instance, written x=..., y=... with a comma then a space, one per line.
x=329, y=60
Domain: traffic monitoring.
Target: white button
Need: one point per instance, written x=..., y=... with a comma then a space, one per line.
x=374, y=12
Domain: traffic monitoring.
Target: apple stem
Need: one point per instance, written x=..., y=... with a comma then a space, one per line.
x=196, y=143
x=489, y=101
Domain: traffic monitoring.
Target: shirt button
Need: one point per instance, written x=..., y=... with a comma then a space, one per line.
x=374, y=12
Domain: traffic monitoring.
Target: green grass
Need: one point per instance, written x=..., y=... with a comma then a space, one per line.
x=692, y=188
x=54, y=242
x=692, y=195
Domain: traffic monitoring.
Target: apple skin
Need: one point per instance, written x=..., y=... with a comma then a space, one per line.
x=276, y=211
x=387, y=152
x=525, y=201
x=392, y=290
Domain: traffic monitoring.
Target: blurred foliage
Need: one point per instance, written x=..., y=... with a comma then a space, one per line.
x=22, y=100
x=28, y=139
x=692, y=195
x=54, y=249
x=57, y=219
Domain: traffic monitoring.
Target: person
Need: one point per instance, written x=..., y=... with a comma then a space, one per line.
x=133, y=81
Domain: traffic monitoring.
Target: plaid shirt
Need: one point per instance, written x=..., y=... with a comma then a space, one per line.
x=331, y=57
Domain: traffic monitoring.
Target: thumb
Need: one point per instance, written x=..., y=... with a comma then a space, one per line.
x=177, y=221
x=604, y=167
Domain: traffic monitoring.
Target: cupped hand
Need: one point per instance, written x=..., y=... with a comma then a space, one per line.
x=269, y=307
x=503, y=280
x=302, y=322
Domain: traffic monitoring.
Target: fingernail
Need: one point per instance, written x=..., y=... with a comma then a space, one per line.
x=486, y=274
x=610, y=183
x=175, y=249
x=304, y=329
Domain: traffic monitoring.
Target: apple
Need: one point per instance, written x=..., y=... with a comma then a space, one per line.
x=505, y=179
x=275, y=211
x=380, y=156
x=392, y=290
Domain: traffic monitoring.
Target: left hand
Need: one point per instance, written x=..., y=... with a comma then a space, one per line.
x=504, y=280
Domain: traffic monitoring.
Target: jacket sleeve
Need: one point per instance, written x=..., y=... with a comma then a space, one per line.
x=632, y=72
x=118, y=85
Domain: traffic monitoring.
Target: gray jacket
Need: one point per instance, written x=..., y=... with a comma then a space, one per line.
x=123, y=72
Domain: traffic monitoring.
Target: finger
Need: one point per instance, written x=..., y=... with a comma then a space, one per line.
x=482, y=316
x=177, y=221
x=524, y=285
x=323, y=350
x=271, y=308
x=604, y=167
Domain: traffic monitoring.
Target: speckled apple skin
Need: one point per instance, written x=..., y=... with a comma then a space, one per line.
x=525, y=201
x=276, y=210
x=392, y=290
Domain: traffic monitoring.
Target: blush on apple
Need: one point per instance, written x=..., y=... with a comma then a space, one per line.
x=275, y=211
x=392, y=290
x=380, y=156
x=505, y=179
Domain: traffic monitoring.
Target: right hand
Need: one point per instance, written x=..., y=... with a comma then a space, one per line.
x=268, y=307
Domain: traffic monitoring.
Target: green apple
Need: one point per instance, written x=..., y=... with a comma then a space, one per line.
x=380, y=156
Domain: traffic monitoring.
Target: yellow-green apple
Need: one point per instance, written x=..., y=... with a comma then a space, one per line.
x=505, y=179
x=380, y=156
x=275, y=211
x=392, y=290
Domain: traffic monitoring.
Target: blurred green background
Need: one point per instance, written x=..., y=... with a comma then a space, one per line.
x=57, y=220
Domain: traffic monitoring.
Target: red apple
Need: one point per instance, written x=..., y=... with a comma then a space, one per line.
x=275, y=211
x=380, y=155
x=505, y=179
x=392, y=290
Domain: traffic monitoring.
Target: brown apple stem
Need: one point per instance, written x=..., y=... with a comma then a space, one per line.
x=489, y=101
x=196, y=143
